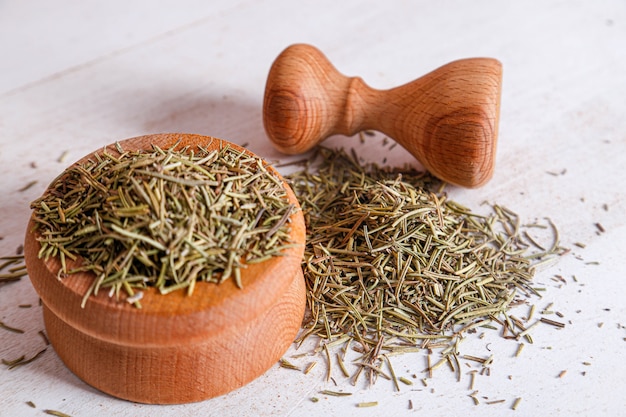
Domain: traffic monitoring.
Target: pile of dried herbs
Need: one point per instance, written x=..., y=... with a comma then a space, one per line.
x=163, y=218
x=392, y=267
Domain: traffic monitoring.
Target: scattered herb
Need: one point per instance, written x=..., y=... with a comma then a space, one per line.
x=12, y=268
x=310, y=367
x=336, y=393
x=44, y=337
x=163, y=218
x=27, y=186
x=516, y=403
x=367, y=404
x=284, y=363
x=62, y=157
x=390, y=264
x=12, y=364
x=472, y=379
x=562, y=172
x=9, y=328
x=329, y=367
x=405, y=380
x=552, y=322
x=56, y=413
x=342, y=366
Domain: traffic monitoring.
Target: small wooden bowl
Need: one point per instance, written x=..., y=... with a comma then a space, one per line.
x=176, y=348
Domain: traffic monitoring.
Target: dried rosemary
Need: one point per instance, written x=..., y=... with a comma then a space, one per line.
x=12, y=268
x=165, y=218
x=10, y=328
x=56, y=413
x=20, y=361
x=390, y=265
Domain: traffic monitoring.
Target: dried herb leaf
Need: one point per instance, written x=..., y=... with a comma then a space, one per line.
x=389, y=263
x=163, y=218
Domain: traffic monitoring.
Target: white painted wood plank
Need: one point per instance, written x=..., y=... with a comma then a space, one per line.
x=40, y=39
x=78, y=75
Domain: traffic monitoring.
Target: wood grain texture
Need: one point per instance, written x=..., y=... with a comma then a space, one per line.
x=76, y=76
x=447, y=119
x=176, y=348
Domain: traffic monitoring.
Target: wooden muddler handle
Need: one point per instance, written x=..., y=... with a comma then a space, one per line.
x=447, y=119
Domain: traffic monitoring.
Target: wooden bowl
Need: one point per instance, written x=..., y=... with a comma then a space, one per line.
x=176, y=348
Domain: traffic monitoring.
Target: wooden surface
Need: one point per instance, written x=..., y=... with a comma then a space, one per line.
x=75, y=76
x=175, y=348
x=447, y=119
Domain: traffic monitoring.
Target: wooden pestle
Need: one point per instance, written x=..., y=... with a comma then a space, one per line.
x=447, y=119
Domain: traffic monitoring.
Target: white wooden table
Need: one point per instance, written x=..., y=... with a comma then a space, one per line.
x=75, y=76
